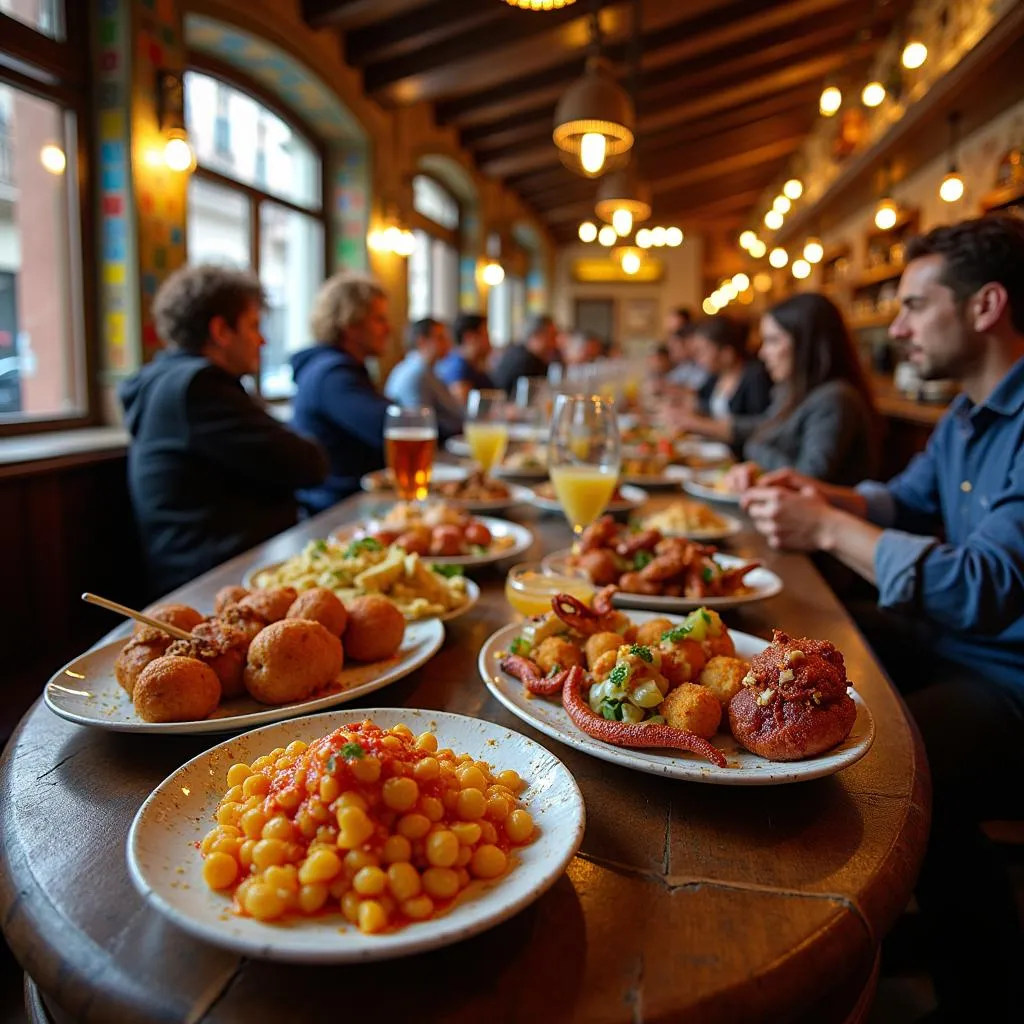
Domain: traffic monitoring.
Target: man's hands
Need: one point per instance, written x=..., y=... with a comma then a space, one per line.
x=796, y=518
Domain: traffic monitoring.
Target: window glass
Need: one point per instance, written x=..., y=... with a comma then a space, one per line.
x=218, y=225
x=41, y=351
x=433, y=201
x=46, y=16
x=499, y=314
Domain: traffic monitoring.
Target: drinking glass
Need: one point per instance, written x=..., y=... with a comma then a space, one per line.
x=533, y=396
x=584, y=456
x=410, y=436
x=487, y=427
x=529, y=588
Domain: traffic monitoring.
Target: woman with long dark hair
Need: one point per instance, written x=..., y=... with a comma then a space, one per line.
x=822, y=421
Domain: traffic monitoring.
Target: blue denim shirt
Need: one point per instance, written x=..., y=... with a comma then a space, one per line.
x=968, y=485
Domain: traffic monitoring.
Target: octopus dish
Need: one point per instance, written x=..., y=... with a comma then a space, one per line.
x=318, y=604
x=147, y=643
x=228, y=596
x=271, y=604
x=221, y=646
x=793, y=703
x=176, y=689
x=290, y=660
x=180, y=615
x=375, y=628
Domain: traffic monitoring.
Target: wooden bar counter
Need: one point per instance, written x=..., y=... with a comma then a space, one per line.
x=687, y=902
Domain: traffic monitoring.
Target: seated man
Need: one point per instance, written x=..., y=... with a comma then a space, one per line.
x=464, y=369
x=209, y=472
x=531, y=359
x=412, y=382
x=335, y=400
x=944, y=542
x=580, y=349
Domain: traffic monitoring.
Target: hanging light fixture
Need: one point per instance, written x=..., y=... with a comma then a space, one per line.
x=391, y=237
x=887, y=214
x=762, y=282
x=782, y=204
x=773, y=219
x=793, y=189
x=872, y=94
x=607, y=236
x=915, y=53
x=623, y=200
x=952, y=187
x=709, y=307
x=778, y=257
x=630, y=259
x=588, y=231
x=814, y=251
x=540, y=5
x=673, y=237
x=643, y=238
x=747, y=239
x=741, y=282
x=493, y=274
x=757, y=248
x=801, y=269
x=831, y=100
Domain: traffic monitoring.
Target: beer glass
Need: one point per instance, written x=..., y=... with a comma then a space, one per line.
x=410, y=437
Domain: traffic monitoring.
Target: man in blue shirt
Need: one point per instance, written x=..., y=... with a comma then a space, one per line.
x=944, y=543
x=462, y=370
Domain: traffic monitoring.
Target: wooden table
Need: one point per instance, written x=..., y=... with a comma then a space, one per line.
x=687, y=902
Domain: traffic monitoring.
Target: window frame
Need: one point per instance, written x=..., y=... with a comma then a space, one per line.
x=449, y=236
x=62, y=77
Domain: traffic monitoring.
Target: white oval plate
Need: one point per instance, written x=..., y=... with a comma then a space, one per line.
x=729, y=528
x=167, y=869
x=743, y=769
x=713, y=452
x=87, y=692
x=633, y=498
x=763, y=583
x=700, y=486
x=472, y=593
x=522, y=539
x=379, y=481
x=671, y=476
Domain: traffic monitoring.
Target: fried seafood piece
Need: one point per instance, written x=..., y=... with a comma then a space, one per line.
x=176, y=689
x=290, y=660
x=681, y=662
x=723, y=676
x=649, y=633
x=228, y=596
x=635, y=583
x=318, y=604
x=600, y=534
x=601, y=643
x=693, y=708
x=557, y=652
x=146, y=644
x=717, y=642
x=793, y=703
x=271, y=604
x=221, y=646
x=375, y=628
x=600, y=565
x=180, y=615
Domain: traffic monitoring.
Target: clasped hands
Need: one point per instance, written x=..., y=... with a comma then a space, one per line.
x=789, y=509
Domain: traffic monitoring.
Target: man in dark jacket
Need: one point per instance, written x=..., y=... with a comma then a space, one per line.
x=531, y=359
x=335, y=400
x=210, y=473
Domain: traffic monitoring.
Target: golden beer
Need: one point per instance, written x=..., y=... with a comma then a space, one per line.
x=410, y=457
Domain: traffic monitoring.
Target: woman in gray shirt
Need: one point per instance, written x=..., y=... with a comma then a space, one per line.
x=822, y=421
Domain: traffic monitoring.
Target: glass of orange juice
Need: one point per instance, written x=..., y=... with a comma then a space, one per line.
x=487, y=427
x=584, y=456
x=529, y=588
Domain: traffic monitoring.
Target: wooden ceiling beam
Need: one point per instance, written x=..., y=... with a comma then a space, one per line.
x=347, y=14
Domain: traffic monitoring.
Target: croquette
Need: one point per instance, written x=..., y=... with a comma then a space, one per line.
x=693, y=708
x=174, y=689
x=320, y=605
x=375, y=628
x=271, y=604
x=290, y=660
x=723, y=676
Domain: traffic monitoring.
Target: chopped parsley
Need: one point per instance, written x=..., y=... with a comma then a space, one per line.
x=677, y=633
x=642, y=652
x=708, y=574
x=705, y=616
x=352, y=752
x=520, y=645
x=477, y=549
x=611, y=709
x=318, y=547
x=448, y=571
x=555, y=669
x=619, y=675
x=642, y=559
x=365, y=544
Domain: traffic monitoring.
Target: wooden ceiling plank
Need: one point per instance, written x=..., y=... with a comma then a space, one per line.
x=347, y=14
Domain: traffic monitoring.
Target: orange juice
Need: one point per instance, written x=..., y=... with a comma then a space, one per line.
x=530, y=593
x=583, y=491
x=487, y=443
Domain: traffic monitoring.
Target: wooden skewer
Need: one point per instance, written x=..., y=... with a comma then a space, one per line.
x=131, y=613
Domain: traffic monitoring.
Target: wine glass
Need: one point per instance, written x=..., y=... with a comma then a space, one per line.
x=410, y=436
x=584, y=456
x=487, y=427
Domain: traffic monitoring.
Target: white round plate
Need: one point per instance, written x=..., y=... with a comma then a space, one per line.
x=379, y=481
x=743, y=768
x=514, y=472
x=87, y=692
x=472, y=593
x=632, y=498
x=458, y=445
x=763, y=584
x=707, y=454
x=517, y=496
x=729, y=528
x=701, y=486
x=522, y=539
x=671, y=476
x=167, y=869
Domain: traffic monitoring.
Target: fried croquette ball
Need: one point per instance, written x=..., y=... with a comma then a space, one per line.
x=227, y=596
x=175, y=689
x=446, y=540
x=604, y=664
x=598, y=644
x=290, y=660
x=272, y=604
x=694, y=708
x=717, y=642
x=682, y=661
x=600, y=565
x=375, y=628
x=723, y=676
x=221, y=646
x=556, y=651
x=244, y=618
x=793, y=730
x=180, y=615
x=145, y=645
x=649, y=633
x=320, y=605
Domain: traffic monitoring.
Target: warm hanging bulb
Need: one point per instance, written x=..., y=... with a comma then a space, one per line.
x=178, y=154
x=773, y=220
x=778, y=257
x=793, y=189
x=741, y=282
x=886, y=215
x=493, y=274
x=831, y=100
x=643, y=238
x=709, y=306
x=757, y=248
x=782, y=204
x=801, y=269
x=747, y=238
x=813, y=251
x=630, y=263
x=593, y=147
x=915, y=53
x=952, y=187
x=873, y=94
x=588, y=231
x=607, y=236
x=622, y=221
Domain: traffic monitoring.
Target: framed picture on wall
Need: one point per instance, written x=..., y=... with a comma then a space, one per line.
x=640, y=318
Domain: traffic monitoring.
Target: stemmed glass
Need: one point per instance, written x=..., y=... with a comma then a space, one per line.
x=410, y=437
x=584, y=456
x=487, y=427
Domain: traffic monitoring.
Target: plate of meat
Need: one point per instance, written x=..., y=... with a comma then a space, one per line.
x=684, y=698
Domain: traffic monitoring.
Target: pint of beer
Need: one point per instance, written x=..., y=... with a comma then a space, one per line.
x=410, y=437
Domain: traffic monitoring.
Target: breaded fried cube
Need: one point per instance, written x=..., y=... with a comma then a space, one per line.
x=694, y=708
x=649, y=633
x=598, y=644
x=375, y=628
x=558, y=652
x=723, y=676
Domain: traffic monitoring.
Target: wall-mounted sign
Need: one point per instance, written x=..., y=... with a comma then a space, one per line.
x=597, y=270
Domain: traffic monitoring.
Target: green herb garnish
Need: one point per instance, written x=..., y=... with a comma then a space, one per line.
x=352, y=752
x=365, y=544
x=477, y=549
x=708, y=573
x=642, y=559
x=642, y=652
x=332, y=765
x=318, y=546
x=555, y=669
x=704, y=615
x=611, y=709
x=677, y=633
x=519, y=645
x=619, y=675
x=447, y=571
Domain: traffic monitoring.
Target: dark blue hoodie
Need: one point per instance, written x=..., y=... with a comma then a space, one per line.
x=210, y=473
x=336, y=402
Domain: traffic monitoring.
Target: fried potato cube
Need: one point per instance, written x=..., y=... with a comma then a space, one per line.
x=598, y=644
x=694, y=708
x=649, y=633
x=558, y=652
x=723, y=676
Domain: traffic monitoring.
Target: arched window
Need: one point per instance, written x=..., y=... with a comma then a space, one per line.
x=256, y=200
x=434, y=263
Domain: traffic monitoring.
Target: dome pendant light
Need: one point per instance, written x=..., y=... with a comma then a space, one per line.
x=540, y=5
x=623, y=200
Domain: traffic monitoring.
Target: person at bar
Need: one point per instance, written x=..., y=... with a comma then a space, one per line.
x=530, y=359
x=944, y=544
x=210, y=472
x=580, y=348
x=335, y=399
x=413, y=382
x=821, y=421
x=464, y=369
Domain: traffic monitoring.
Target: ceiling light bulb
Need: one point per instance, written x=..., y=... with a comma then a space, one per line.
x=915, y=53
x=952, y=188
x=778, y=257
x=831, y=100
x=593, y=147
x=773, y=220
x=813, y=251
x=375, y=240
x=392, y=239
x=782, y=204
x=493, y=274
x=710, y=309
x=728, y=290
x=657, y=236
x=757, y=249
x=588, y=231
x=718, y=299
x=406, y=243
x=631, y=262
x=886, y=215
x=793, y=189
x=178, y=154
x=622, y=221
x=873, y=94
x=741, y=282
x=801, y=269
x=53, y=159
x=763, y=282
x=643, y=238
x=673, y=237
x=607, y=235
x=747, y=239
